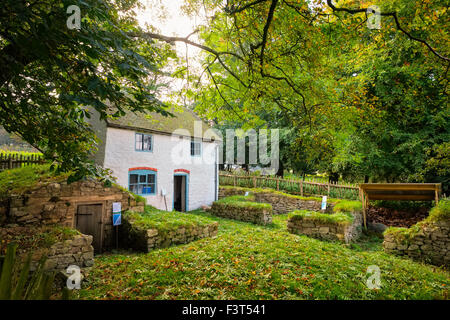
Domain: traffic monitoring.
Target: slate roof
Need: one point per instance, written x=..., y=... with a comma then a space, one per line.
x=154, y=122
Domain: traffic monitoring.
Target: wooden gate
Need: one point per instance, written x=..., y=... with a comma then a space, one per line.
x=89, y=221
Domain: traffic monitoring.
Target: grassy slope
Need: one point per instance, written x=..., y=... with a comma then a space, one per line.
x=248, y=261
x=20, y=179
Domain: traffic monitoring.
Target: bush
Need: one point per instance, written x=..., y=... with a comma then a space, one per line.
x=441, y=211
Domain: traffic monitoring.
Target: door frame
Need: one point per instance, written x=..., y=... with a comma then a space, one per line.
x=186, y=197
x=103, y=203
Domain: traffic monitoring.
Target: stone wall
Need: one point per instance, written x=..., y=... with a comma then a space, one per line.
x=430, y=242
x=227, y=192
x=56, y=203
x=281, y=203
x=286, y=203
x=77, y=251
x=149, y=239
x=63, y=250
x=258, y=215
x=327, y=231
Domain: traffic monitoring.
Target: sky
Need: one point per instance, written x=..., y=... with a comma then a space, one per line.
x=167, y=16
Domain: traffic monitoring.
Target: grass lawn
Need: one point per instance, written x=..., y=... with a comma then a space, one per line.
x=247, y=261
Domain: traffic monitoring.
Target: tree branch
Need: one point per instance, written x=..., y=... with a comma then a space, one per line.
x=399, y=27
x=233, y=10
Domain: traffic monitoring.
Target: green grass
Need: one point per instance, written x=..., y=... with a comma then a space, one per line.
x=21, y=179
x=441, y=211
x=343, y=218
x=164, y=221
x=292, y=187
x=247, y=261
x=347, y=206
x=243, y=202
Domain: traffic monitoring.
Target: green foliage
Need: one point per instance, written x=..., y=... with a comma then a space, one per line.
x=14, y=279
x=51, y=74
x=441, y=211
x=164, y=221
x=342, y=218
x=247, y=261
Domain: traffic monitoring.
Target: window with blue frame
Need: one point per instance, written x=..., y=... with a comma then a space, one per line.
x=142, y=182
x=196, y=147
x=143, y=142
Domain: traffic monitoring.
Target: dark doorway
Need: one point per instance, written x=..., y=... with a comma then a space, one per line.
x=179, y=193
x=89, y=221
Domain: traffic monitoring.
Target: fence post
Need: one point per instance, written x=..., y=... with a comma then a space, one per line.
x=328, y=188
x=10, y=162
x=301, y=188
x=234, y=181
x=278, y=184
x=254, y=182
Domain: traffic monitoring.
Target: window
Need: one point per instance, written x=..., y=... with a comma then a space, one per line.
x=196, y=148
x=143, y=142
x=142, y=182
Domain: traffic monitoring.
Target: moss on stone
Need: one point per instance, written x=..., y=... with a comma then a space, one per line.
x=243, y=202
x=341, y=218
x=164, y=221
x=440, y=212
x=347, y=206
x=31, y=238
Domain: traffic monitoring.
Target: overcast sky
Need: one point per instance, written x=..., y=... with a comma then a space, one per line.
x=167, y=16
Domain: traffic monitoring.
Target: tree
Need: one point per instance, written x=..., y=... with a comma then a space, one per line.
x=51, y=73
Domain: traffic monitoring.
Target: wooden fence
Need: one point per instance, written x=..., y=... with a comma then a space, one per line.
x=11, y=161
x=299, y=187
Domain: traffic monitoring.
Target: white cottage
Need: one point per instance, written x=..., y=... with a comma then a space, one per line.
x=172, y=162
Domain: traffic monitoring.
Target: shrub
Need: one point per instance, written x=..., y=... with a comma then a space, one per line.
x=441, y=211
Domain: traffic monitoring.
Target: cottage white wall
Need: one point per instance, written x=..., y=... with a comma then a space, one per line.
x=169, y=153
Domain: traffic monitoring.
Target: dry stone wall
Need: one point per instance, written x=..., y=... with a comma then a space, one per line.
x=431, y=243
x=327, y=231
x=56, y=204
x=281, y=203
x=285, y=203
x=257, y=215
x=77, y=251
x=148, y=239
